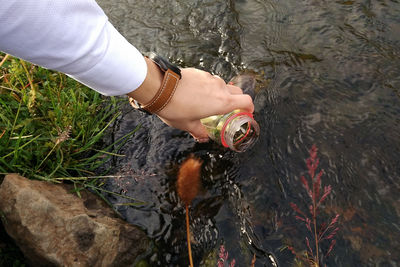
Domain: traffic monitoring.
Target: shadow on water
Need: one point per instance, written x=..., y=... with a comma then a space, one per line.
x=328, y=75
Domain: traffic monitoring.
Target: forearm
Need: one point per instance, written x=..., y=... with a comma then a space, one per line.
x=74, y=37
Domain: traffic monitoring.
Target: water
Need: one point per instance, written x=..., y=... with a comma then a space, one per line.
x=328, y=74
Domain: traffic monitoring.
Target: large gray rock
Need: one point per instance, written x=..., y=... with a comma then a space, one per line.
x=54, y=227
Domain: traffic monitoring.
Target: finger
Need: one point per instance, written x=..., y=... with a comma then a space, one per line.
x=243, y=102
x=198, y=131
x=234, y=89
x=219, y=80
x=218, y=77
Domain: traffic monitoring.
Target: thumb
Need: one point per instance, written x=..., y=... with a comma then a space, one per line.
x=195, y=128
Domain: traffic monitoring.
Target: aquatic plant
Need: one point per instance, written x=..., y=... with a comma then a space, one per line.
x=223, y=258
x=319, y=232
x=188, y=184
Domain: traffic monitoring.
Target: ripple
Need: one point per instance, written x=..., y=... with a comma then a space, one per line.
x=327, y=74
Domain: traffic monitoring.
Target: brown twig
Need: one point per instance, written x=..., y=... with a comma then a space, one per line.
x=3, y=60
x=188, y=236
x=253, y=261
x=1, y=135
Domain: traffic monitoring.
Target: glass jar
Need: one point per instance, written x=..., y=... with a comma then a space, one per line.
x=237, y=130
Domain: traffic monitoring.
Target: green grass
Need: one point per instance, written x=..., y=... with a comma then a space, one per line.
x=50, y=125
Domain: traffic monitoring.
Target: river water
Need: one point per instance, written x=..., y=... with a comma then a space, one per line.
x=328, y=74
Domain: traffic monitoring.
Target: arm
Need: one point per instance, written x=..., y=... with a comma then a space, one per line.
x=75, y=37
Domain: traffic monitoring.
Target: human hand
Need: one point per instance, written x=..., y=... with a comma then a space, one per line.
x=198, y=95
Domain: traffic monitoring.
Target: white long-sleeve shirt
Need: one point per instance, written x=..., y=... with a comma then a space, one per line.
x=74, y=37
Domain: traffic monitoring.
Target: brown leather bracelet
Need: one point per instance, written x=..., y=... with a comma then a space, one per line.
x=163, y=95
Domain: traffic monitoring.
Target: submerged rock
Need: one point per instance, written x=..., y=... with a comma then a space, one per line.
x=54, y=227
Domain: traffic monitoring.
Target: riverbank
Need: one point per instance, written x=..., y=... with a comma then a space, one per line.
x=51, y=128
x=50, y=125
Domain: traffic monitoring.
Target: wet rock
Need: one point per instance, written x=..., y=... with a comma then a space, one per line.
x=54, y=227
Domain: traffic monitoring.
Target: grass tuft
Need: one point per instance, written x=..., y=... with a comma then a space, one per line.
x=50, y=125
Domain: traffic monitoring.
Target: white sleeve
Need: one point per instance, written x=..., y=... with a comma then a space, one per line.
x=74, y=37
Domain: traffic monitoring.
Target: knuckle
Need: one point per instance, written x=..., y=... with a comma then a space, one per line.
x=226, y=101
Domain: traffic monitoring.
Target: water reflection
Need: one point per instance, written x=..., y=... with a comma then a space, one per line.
x=328, y=75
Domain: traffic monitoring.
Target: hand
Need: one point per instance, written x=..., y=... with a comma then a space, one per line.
x=198, y=95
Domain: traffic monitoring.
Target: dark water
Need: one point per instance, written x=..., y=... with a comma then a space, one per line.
x=328, y=74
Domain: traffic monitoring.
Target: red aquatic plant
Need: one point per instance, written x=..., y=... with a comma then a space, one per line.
x=223, y=258
x=319, y=232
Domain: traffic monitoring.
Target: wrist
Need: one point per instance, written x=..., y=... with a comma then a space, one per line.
x=144, y=97
x=149, y=88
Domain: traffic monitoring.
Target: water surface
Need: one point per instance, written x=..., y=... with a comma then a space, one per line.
x=328, y=74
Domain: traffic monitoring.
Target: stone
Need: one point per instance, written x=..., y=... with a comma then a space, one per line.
x=54, y=227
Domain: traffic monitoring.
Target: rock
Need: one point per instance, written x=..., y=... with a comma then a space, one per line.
x=54, y=227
